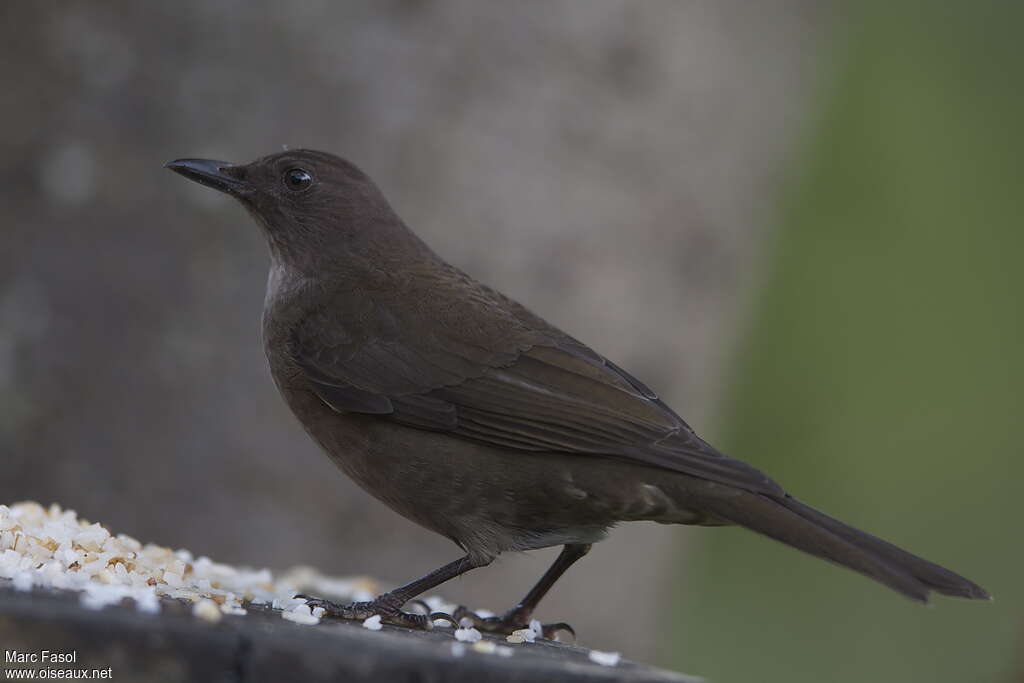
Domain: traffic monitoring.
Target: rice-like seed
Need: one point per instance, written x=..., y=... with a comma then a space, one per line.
x=301, y=615
x=129, y=543
x=537, y=628
x=468, y=635
x=604, y=658
x=373, y=623
x=207, y=610
x=146, y=601
x=288, y=603
x=54, y=547
x=98, y=596
x=23, y=581
x=67, y=555
x=94, y=567
x=522, y=635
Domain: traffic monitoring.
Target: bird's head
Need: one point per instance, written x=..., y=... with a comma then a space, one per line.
x=311, y=205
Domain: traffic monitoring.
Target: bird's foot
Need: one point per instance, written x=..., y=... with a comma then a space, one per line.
x=388, y=609
x=515, y=619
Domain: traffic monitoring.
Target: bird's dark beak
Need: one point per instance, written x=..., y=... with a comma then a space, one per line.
x=215, y=174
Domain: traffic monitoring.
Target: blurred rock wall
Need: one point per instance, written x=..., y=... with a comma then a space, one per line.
x=611, y=164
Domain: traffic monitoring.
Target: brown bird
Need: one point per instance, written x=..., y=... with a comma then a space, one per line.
x=475, y=418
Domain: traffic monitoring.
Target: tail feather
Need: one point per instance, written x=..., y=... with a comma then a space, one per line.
x=935, y=577
x=801, y=526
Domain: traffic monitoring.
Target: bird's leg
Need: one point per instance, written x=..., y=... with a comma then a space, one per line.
x=519, y=616
x=389, y=605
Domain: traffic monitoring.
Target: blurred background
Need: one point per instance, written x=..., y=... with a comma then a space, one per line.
x=800, y=222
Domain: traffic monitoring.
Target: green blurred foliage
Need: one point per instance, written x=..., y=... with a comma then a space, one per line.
x=882, y=376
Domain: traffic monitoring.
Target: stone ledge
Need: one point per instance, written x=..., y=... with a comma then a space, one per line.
x=260, y=646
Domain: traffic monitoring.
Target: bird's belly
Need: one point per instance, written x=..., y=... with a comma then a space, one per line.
x=487, y=499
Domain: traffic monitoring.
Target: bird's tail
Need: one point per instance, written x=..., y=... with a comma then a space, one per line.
x=801, y=526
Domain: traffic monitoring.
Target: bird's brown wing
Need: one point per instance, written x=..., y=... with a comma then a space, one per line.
x=509, y=380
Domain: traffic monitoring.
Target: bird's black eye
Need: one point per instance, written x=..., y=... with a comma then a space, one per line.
x=297, y=179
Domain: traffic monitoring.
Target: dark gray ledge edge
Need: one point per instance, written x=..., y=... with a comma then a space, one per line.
x=261, y=646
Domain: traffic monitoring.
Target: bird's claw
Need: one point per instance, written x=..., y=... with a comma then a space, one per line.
x=444, y=616
x=551, y=631
x=513, y=620
x=388, y=613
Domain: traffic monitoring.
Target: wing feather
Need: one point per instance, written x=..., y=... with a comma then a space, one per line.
x=511, y=381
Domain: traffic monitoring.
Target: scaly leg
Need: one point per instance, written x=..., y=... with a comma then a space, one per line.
x=519, y=616
x=389, y=605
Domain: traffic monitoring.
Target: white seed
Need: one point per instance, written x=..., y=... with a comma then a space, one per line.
x=604, y=658
x=468, y=635
x=207, y=610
